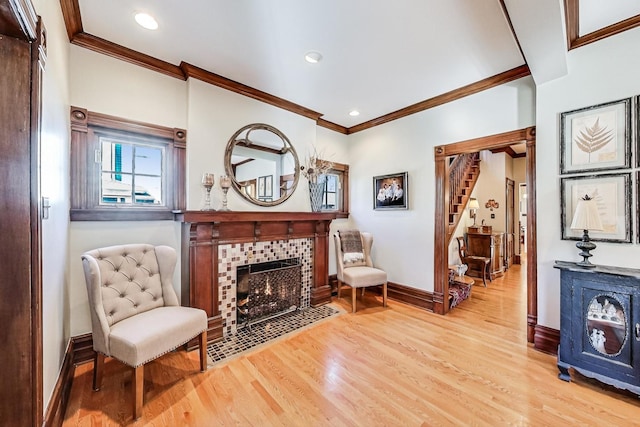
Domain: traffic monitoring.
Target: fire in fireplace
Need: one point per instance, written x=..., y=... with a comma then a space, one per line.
x=267, y=289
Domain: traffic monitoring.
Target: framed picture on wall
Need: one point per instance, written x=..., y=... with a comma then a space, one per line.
x=391, y=191
x=612, y=193
x=596, y=138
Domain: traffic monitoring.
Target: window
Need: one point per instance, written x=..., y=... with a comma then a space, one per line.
x=131, y=174
x=336, y=190
x=124, y=170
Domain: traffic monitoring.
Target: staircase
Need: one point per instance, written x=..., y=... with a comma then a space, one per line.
x=463, y=175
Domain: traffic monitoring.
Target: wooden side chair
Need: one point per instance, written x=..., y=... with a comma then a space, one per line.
x=135, y=314
x=354, y=265
x=478, y=263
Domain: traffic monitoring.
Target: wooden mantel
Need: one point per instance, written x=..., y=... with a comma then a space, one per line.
x=204, y=231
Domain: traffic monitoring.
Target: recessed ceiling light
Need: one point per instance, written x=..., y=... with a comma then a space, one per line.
x=354, y=113
x=147, y=21
x=313, y=57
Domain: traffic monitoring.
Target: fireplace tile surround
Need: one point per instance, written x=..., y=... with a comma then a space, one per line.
x=231, y=256
x=215, y=243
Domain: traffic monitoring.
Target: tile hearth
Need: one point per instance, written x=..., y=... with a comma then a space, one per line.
x=263, y=332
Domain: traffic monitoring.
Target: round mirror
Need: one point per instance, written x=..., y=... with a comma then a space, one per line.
x=262, y=164
x=606, y=324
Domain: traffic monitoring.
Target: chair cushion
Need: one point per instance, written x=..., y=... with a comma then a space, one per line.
x=351, y=246
x=145, y=336
x=359, y=277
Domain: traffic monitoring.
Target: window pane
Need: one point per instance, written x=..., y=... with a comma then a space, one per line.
x=124, y=164
x=330, y=198
x=116, y=191
x=330, y=201
x=148, y=160
x=116, y=157
x=332, y=183
x=149, y=190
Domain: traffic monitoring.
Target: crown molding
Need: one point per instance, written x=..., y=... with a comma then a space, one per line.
x=190, y=70
x=572, y=20
x=333, y=126
x=117, y=51
x=72, y=19
x=470, y=89
x=77, y=36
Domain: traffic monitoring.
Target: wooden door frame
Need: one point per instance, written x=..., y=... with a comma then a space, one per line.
x=20, y=23
x=441, y=245
x=509, y=211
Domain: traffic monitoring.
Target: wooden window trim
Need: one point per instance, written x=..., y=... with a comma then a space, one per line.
x=84, y=187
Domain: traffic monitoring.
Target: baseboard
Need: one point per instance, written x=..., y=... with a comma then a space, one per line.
x=82, y=347
x=57, y=407
x=546, y=339
x=412, y=296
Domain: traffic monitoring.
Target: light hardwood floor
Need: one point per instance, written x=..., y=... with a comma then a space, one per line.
x=398, y=366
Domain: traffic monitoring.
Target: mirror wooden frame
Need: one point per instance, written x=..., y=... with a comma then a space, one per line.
x=230, y=170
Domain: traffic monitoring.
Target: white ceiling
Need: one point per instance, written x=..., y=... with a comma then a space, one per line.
x=379, y=56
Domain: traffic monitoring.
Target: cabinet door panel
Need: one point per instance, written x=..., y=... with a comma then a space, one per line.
x=601, y=327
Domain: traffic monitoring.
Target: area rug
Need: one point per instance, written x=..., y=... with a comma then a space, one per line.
x=266, y=331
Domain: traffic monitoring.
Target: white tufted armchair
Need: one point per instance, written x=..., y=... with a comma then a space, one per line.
x=135, y=315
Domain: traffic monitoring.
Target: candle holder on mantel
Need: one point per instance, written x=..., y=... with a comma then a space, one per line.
x=207, y=183
x=225, y=183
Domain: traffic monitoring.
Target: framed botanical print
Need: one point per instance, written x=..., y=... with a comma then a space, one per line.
x=596, y=138
x=612, y=193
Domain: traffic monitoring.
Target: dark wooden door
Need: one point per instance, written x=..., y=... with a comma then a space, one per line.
x=510, y=230
x=20, y=236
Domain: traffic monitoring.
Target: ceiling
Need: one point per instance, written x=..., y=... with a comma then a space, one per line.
x=379, y=56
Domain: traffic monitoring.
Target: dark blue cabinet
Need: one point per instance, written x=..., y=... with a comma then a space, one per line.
x=600, y=324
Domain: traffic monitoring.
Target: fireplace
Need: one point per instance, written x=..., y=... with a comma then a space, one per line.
x=215, y=243
x=233, y=258
x=267, y=289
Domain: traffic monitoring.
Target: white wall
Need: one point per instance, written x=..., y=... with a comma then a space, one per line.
x=404, y=239
x=491, y=185
x=215, y=114
x=88, y=235
x=54, y=185
x=105, y=85
x=599, y=72
x=211, y=116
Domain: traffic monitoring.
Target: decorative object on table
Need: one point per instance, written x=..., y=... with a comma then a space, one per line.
x=612, y=194
x=491, y=205
x=461, y=269
x=391, y=191
x=586, y=218
x=596, y=137
x=207, y=182
x=315, y=169
x=225, y=183
x=473, y=209
x=254, y=150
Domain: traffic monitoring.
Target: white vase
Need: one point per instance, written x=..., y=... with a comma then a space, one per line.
x=316, y=191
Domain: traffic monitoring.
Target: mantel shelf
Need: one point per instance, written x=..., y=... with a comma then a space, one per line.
x=242, y=216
